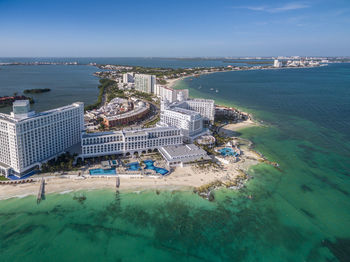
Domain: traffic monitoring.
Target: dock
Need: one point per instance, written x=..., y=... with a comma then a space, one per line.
x=117, y=184
x=41, y=190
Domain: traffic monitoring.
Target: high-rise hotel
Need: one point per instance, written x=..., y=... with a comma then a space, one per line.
x=28, y=138
x=145, y=83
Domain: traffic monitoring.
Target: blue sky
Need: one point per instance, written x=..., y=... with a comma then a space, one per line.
x=174, y=28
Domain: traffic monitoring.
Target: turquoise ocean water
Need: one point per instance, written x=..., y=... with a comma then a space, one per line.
x=298, y=213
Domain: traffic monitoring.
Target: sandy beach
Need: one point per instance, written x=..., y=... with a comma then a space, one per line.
x=232, y=129
x=181, y=179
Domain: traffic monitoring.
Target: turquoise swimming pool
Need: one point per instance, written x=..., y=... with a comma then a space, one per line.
x=150, y=165
x=134, y=166
x=101, y=172
x=227, y=151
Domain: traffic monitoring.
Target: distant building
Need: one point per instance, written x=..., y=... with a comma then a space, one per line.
x=128, y=78
x=27, y=138
x=145, y=83
x=277, y=63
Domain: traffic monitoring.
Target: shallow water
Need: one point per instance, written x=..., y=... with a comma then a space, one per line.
x=298, y=213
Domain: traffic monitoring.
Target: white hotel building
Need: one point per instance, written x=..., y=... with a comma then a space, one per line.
x=189, y=115
x=127, y=142
x=190, y=122
x=206, y=107
x=27, y=138
x=172, y=95
x=145, y=83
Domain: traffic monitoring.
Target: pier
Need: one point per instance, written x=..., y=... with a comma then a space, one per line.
x=117, y=184
x=41, y=191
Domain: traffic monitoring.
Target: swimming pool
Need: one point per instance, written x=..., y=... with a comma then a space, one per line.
x=101, y=172
x=134, y=166
x=227, y=151
x=13, y=177
x=150, y=165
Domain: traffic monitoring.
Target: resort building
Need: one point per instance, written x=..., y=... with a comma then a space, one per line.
x=127, y=142
x=145, y=83
x=27, y=138
x=128, y=78
x=277, y=63
x=172, y=95
x=180, y=155
x=190, y=122
x=190, y=115
x=205, y=107
x=230, y=112
x=138, y=111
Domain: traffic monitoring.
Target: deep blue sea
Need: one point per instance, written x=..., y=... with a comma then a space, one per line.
x=298, y=213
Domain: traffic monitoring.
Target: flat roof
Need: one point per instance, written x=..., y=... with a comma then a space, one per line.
x=8, y=117
x=184, y=111
x=183, y=150
x=20, y=103
x=129, y=132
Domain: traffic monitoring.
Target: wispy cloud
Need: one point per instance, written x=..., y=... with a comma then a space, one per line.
x=278, y=9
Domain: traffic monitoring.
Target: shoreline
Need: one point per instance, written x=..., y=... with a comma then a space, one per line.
x=173, y=81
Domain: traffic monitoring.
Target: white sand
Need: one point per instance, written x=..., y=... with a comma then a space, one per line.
x=231, y=129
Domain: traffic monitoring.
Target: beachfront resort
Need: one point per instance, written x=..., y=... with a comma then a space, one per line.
x=184, y=136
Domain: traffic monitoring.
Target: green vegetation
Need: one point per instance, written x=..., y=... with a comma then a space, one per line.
x=104, y=84
x=2, y=178
x=36, y=91
x=160, y=73
x=144, y=95
x=162, y=81
x=115, y=92
x=102, y=126
x=63, y=163
x=220, y=140
x=209, y=150
x=31, y=100
x=8, y=100
x=152, y=123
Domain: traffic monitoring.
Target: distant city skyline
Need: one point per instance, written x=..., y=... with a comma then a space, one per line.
x=153, y=28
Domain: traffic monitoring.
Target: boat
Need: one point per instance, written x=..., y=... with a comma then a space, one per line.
x=200, y=87
x=211, y=89
x=217, y=91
